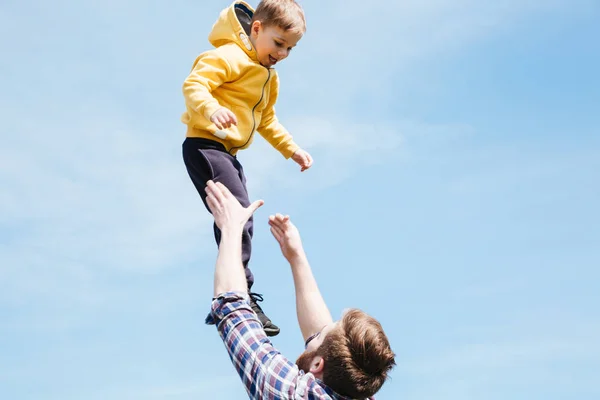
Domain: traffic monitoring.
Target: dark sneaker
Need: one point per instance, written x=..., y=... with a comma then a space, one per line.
x=270, y=328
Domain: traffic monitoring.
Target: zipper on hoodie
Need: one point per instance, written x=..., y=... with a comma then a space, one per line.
x=262, y=95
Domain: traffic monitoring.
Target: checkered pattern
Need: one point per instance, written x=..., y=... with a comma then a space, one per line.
x=265, y=372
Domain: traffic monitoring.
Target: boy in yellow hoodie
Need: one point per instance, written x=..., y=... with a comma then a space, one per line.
x=230, y=94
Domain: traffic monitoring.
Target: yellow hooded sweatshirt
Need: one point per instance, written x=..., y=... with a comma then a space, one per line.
x=231, y=76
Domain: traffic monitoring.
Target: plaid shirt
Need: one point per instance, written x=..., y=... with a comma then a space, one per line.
x=265, y=372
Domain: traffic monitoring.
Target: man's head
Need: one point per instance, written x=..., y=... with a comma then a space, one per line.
x=277, y=26
x=352, y=356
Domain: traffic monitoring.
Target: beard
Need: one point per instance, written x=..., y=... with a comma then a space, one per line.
x=304, y=361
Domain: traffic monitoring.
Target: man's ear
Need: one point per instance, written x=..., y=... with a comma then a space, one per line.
x=317, y=365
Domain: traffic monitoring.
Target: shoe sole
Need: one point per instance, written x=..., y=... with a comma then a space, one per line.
x=270, y=331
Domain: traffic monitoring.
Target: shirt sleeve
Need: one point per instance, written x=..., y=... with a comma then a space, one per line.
x=265, y=372
x=210, y=70
x=271, y=129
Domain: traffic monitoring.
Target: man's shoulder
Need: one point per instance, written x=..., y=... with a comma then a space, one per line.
x=313, y=388
x=316, y=389
x=228, y=303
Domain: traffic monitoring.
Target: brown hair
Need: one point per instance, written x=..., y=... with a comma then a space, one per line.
x=285, y=14
x=357, y=356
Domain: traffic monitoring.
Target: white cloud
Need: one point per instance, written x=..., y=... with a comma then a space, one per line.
x=226, y=387
x=396, y=31
x=96, y=195
x=525, y=358
x=473, y=358
x=340, y=148
x=372, y=50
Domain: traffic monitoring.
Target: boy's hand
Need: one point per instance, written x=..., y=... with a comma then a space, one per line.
x=303, y=159
x=226, y=209
x=223, y=118
x=287, y=235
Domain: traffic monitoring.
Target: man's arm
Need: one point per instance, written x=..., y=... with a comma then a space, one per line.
x=311, y=309
x=230, y=216
x=263, y=370
x=229, y=271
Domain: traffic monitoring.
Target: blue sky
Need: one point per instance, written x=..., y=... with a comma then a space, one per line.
x=454, y=196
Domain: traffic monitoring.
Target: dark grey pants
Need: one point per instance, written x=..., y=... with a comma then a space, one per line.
x=208, y=160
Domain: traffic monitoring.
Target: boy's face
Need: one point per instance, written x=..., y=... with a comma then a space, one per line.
x=272, y=43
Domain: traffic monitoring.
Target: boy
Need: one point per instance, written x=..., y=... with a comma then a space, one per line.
x=231, y=93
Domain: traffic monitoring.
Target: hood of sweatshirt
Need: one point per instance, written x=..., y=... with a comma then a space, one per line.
x=233, y=25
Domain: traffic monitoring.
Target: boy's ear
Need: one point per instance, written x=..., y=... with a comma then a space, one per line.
x=256, y=27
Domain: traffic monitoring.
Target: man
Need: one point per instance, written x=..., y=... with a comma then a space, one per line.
x=347, y=359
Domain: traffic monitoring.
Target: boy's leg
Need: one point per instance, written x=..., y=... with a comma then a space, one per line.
x=270, y=328
x=204, y=164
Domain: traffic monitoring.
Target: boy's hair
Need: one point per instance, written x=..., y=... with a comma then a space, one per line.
x=285, y=14
x=357, y=356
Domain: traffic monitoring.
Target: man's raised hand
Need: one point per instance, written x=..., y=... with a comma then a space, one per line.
x=287, y=235
x=226, y=209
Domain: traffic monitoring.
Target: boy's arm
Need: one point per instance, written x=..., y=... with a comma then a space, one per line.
x=271, y=129
x=210, y=70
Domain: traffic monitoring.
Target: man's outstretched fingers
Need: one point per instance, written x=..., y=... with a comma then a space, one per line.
x=277, y=235
x=208, y=189
x=277, y=231
x=274, y=222
x=211, y=187
x=255, y=206
x=223, y=189
x=213, y=205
